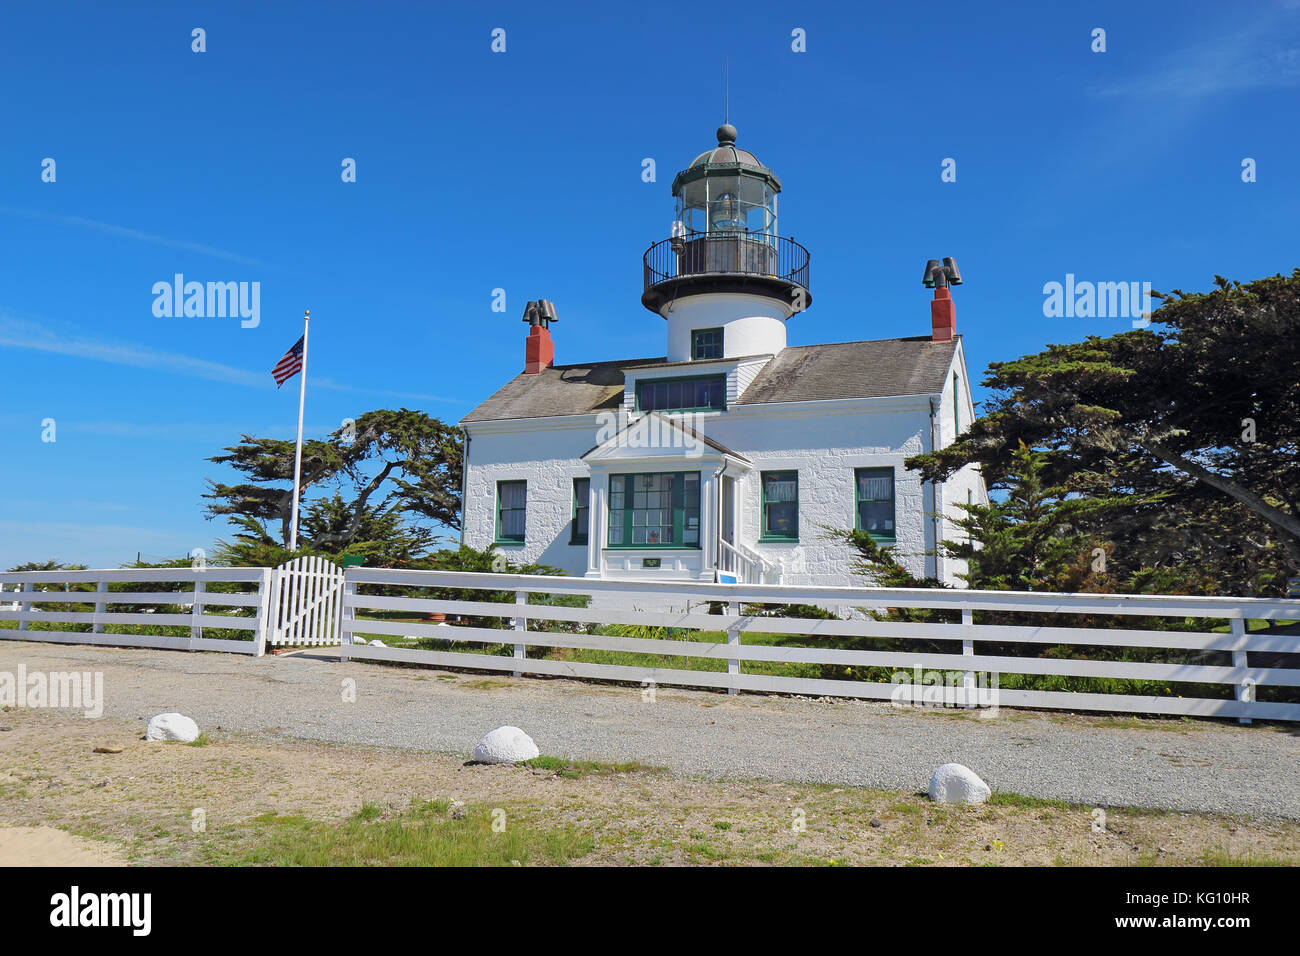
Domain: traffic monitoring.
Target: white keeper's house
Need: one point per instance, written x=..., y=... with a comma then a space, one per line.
x=727, y=457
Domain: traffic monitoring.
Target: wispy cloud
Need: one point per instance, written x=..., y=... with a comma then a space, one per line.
x=99, y=545
x=124, y=232
x=18, y=334
x=412, y=396
x=86, y=533
x=29, y=335
x=1261, y=55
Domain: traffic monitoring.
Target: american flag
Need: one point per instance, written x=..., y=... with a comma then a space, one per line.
x=289, y=366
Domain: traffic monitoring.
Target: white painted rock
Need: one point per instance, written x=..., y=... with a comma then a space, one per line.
x=172, y=727
x=953, y=783
x=358, y=640
x=506, y=745
x=377, y=643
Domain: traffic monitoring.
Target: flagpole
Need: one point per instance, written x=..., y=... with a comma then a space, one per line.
x=297, y=457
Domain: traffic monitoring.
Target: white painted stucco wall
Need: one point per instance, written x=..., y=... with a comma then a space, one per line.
x=545, y=453
x=823, y=441
x=751, y=324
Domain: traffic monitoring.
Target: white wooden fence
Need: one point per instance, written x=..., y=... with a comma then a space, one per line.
x=268, y=603
x=367, y=615
x=47, y=598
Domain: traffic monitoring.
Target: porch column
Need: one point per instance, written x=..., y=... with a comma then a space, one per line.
x=710, y=486
x=597, y=520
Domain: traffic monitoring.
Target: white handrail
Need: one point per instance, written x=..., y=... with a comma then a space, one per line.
x=750, y=568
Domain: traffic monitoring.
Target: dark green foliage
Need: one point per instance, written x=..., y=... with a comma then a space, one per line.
x=1195, y=421
x=400, y=468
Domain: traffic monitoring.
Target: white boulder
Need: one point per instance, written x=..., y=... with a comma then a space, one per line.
x=506, y=745
x=377, y=643
x=172, y=727
x=954, y=783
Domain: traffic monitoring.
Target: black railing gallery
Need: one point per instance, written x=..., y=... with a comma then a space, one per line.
x=721, y=253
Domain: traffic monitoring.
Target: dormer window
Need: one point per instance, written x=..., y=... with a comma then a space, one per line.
x=702, y=394
x=706, y=344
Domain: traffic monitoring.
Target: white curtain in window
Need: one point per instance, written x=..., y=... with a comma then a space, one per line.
x=781, y=490
x=513, y=495
x=875, y=488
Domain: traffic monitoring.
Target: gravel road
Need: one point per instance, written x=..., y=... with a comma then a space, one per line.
x=1193, y=765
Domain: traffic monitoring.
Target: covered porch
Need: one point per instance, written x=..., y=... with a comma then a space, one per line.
x=664, y=506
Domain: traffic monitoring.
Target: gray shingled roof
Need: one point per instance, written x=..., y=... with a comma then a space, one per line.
x=801, y=373
x=877, y=369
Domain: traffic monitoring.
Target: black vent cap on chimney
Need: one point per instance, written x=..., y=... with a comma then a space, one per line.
x=941, y=274
x=541, y=312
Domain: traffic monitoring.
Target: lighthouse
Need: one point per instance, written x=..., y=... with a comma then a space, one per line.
x=725, y=456
x=726, y=281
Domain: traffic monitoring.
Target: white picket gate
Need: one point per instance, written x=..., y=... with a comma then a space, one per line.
x=306, y=603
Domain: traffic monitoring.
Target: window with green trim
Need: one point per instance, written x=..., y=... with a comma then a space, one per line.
x=706, y=344
x=512, y=501
x=874, y=497
x=581, y=511
x=654, y=510
x=780, y=506
x=682, y=394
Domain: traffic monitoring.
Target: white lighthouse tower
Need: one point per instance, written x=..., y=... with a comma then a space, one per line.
x=726, y=281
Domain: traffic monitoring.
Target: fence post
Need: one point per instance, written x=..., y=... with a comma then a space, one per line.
x=968, y=650
x=733, y=638
x=521, y=624
x=24, y=603
x=263, y=611
x=196, y=612
x=100, y=588
x=348, y=614
x=1245, y=686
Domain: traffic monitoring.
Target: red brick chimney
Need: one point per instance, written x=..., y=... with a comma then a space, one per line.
x=943, y=316
x=539, y=350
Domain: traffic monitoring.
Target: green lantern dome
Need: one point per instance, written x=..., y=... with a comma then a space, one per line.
x=724, y=235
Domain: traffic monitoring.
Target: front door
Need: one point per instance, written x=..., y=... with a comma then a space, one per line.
x=727, y=570
x=728, y=523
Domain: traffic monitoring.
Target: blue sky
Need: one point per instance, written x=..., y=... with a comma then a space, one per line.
x=522, y=170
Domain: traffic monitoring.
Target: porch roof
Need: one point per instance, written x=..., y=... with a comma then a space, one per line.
x=672, y=422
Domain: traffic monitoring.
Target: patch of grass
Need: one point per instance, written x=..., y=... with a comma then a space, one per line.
x=1181, y=724
x=910, y=808
x=422, y=836
x=721, y=825
x=1222, y=856
x=706, y=850
x=202, y=740
x=576, y=769
x=1003, y=798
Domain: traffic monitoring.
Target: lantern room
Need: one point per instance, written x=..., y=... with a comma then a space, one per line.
x=724, y=237
x=726, y=191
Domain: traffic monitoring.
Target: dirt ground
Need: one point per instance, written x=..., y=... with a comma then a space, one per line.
x=173, y=803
